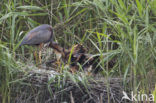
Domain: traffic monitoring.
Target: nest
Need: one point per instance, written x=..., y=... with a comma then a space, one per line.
x=78, y=55
x=48, y=86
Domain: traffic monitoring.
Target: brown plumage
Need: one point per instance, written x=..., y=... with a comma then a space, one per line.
x=59, y=52
x=79, y=55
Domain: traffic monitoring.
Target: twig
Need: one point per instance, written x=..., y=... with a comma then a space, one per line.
x=71, y=97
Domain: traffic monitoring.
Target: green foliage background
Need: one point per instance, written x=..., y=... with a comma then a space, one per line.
x=131, y=24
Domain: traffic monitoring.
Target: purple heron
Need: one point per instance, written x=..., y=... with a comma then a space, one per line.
x=40, y=35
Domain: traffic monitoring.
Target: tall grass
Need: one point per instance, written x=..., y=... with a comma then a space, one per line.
x=129, y=26
x=8, y=70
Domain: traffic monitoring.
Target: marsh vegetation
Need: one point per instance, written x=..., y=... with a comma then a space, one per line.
x=120, y=30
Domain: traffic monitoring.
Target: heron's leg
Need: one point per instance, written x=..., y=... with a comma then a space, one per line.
x=40, y=60
x=35, y=56
x=40, y=51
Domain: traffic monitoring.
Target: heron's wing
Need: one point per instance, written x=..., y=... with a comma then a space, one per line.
x=44, y=36
x=29, y=37
x=37, y=37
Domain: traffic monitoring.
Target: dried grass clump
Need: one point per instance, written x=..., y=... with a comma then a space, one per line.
x=47, y=86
